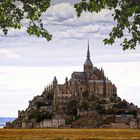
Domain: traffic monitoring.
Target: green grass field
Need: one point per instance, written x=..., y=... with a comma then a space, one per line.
x=68, y=134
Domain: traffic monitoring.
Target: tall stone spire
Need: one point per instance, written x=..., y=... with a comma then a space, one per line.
x=88, y=52
x=88, y=64
x=88, y=61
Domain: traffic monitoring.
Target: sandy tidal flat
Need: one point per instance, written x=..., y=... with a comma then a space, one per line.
x=69, y=134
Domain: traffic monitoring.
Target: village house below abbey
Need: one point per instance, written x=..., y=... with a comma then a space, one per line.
x=88, y=95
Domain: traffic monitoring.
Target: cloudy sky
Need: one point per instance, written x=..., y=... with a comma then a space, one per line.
x=28, y=63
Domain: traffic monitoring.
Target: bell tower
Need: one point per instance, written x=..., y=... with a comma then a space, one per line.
x=88, y=66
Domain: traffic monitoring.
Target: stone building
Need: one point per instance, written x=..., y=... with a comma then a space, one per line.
x=27, y=124
x=91, y=81
x=125, y=121
x=55, y=122
x=124, y=118
x=120, y=125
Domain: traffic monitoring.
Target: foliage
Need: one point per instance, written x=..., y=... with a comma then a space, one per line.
x=18, y=121
x=50, y=96
x=13, y=12
x=69, y=120
x=126, y=13
x=85, y=105
x=121, y=105
x=72, y=107
x=114, y=99
x=100, y=109
x=132, y=112
x=94, y=98
x=39, y=104
x=85, y=94
x=48, y=99
x=40, y=115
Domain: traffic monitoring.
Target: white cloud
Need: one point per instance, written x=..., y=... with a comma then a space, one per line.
x=69, y=34
x=60, y=12
x=8, y=54
x=65, y=14
x=61, y=20
x=118, y=72
x=60, y=1
x=90, y=29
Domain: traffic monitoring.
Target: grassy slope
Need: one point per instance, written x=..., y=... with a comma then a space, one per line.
x=77, y=134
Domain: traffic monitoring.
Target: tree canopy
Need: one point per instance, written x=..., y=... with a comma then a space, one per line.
x=12, y=13
x=126, y=13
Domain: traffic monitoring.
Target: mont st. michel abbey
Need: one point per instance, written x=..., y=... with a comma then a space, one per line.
x=86, y=100
x=91, y=81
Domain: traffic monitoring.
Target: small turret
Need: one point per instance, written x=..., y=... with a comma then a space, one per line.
x=102, y=73
x=45, y=89
x=49, y=87
x=104, y=87
x=19, y=113
x=66, y=80
x=54, y=82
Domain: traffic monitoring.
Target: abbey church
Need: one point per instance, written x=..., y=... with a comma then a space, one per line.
x=91, y=81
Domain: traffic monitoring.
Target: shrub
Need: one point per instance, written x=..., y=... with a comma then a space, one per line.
x=72, y=107
x=40, y=115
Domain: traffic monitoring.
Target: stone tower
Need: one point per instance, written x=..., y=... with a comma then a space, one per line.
x=55, y=94
x=88, y=66
x=55, y=82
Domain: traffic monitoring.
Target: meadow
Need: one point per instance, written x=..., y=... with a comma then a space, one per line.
x=69, y=134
